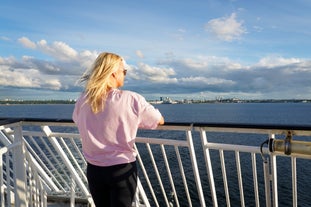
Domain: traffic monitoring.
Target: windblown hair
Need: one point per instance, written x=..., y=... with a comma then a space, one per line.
x=98, y=81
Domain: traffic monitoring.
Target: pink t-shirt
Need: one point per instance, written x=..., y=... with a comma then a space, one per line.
x=108, y=136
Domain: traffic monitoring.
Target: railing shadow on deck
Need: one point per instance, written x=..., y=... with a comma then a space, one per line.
x=180, y=164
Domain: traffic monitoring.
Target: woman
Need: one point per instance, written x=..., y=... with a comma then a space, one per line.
x=108, y=119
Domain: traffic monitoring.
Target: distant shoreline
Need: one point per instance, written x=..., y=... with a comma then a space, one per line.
x=11, y=102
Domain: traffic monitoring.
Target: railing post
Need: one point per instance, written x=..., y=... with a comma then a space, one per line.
x=66, y=160
x=274, y=177
x=209, y=167
x=267, y=177
x=19, y=168
x=72, y=193
x=3, y=150
x=195, y=168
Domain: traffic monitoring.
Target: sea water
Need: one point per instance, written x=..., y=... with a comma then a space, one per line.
x=243, y=113
x=251, y=113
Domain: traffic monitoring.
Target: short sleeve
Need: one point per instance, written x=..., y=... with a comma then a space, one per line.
x=149, y=116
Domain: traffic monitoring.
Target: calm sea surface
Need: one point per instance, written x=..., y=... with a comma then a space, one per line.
x=263, y=113
x=248, y=113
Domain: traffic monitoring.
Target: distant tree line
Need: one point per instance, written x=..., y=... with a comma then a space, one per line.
x=71, y=101
x=37, y=101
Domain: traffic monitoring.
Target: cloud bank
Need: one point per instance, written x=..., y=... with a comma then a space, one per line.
x=269, y=77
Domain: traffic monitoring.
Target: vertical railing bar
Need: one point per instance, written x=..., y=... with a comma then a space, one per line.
x=11, y=169
x=140, y=191
x=70, y=155
x=37, y=185
x=255, y=179
x=72, y=192
x=169, y=174
x=274, y=180
x=66, y=161
x=37, y=191
x=36, y=182
x=63, y=146
x=224, y=175
x=57, y=162
x=157, y=174
x=274, y=177
x=78, y=150
x=28, y=182
x=51, y=172
x=35, y=158
x=19, y=169
x=195, y=168
x=239, y=171
x=31, y=187
x=182, y=172
x=43, y=196
x=34, y=186
x=294, y=181
x=3, y=151
x=209, y=167
x=267, y=177
x=8, y=178
x=40, y=190
x=146, y=176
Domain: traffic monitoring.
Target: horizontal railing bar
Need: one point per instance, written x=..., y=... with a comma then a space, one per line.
x=64, y=135
x=190, y=125
x=5, y=149
x=296, y=147
x=162, y=141
x=254, y=126
x=255, y=130
x=252, y=149
x=231, y=147
x=241, y=130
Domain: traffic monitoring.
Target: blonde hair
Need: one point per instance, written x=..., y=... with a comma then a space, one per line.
x=98, y=81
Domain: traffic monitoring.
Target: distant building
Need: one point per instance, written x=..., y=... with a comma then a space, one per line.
x=167, y=100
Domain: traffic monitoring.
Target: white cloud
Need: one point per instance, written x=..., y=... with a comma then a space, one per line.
x=19, y=78
x=27, y=43
x=30, y=78
x=58, y=50
x=86, y=58
x=226, y=28
x=203, y=81
x=53, y=84
x=272, y=61
x=65, y=59
x=153, y=74
x=204, y=63
x=198, y=64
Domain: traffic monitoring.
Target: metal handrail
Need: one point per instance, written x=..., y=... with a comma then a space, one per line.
x=159, y=152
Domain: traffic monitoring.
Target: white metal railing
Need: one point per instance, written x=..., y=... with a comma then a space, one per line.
x=19, y=180
x=180, y=164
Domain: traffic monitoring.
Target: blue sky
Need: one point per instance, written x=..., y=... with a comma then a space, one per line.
x=181, y=49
